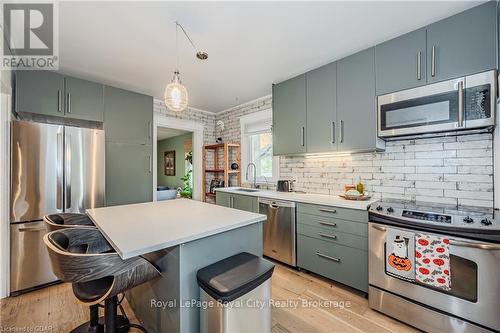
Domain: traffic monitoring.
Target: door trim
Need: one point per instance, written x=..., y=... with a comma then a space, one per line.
x=161, y=120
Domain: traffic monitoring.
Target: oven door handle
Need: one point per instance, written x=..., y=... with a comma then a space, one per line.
x=482, y=246
x=379, y=228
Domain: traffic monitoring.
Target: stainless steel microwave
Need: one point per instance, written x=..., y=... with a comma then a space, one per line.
x=462, y=103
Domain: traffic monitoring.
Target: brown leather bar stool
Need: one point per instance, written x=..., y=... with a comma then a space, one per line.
x=81, y=256
x=74, y=220
x=67, y=220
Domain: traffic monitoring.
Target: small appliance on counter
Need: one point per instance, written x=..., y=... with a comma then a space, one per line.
x=285, y=185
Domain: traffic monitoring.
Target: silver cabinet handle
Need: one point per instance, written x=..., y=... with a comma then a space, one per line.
x=32, y=229
x=231, y=202
x=433, y=61
x=69, y=103
x=67, y=161
x=328, y=236
x=150, y=162
x=333, y=211
x=330, y=224
x=302, y=136
x=59, y=101
x=379, y=228
x=460, y=103
x=419, y=65
x=150, y=130
x=59, y=167
x=482, y=246
x=327, y=257
x=333, y=132
x=341, y=131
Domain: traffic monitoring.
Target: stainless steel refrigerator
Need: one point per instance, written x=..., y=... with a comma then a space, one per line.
x=54, y=168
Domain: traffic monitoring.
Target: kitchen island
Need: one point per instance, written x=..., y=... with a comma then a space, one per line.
x=180, y=237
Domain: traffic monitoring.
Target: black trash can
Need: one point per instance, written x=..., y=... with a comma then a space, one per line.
x=235, y=294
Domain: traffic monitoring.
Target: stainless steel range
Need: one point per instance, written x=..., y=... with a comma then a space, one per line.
x=470, y=300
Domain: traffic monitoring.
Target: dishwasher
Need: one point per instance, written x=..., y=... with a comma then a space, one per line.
x=279, y=231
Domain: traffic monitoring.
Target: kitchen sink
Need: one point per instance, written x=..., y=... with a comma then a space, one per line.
x=247, y=189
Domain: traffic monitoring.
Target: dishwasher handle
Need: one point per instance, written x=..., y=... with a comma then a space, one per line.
x=277, y=203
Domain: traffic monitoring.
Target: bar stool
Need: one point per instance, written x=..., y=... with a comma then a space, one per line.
x=67, y=220
x=81, y=256
x=74, y=220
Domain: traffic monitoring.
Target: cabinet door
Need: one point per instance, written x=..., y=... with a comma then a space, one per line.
x=356, y=104
x=129, y=176
x=128, y=116
x=289, y=116
x=39, y=92
x=321, y=109
x=222, y=199
x=244, y=202
x=462, y=44
x=84, y=99
x=401, y=62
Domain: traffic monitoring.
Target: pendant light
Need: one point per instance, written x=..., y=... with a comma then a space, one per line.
x=176, y=95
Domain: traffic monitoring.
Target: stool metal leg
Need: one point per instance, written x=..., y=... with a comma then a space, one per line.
x=113, y=323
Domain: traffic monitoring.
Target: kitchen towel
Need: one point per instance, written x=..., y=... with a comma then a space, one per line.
x=400, y=254
x=432, y=258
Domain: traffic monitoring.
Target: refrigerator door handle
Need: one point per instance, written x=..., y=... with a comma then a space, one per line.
x=67, y=163
x=59, y=167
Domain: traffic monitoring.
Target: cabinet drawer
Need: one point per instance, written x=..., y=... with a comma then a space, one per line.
x=334, y=224
x=336, y=262
x=335, y=212
x=332, y=236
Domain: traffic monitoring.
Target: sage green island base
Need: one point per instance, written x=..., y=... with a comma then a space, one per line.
x=169, y=304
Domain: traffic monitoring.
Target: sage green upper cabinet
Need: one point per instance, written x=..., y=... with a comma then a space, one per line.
x=321, y=92
x=356, y=105
x=84, y=99
x=462, y=44
x=289, y=116
x=400, y=63
x=39, y=92
x=129, y=177
x=128, y=116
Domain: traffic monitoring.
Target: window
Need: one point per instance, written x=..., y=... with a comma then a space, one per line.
x=257, y=147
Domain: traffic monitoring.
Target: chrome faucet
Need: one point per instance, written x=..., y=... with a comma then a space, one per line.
x=254, y=185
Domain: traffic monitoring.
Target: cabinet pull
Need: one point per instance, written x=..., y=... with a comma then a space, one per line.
x=150, y=130
x=302, y=136
x=328, y=236
x=328, y=224
x=433, y=61
x=59, y=101
x=460, y=103
x=419, y=65
x=333, y=132
x=341, y=131
x=69, y=103
x=327, y=257
x=333, y=211
x=150, y=162
x=231, y=202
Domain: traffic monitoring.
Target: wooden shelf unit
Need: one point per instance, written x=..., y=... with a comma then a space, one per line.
x=221, y=167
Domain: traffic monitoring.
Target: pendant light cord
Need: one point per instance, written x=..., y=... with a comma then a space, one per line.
x=177, y=25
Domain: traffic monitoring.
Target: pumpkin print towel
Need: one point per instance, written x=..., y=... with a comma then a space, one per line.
x=400, y=254
x=432, y=258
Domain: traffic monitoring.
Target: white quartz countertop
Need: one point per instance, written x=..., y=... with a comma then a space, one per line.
x=142, y=228
x=317, y=199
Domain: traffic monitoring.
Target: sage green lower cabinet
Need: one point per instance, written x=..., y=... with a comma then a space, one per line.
x=129, y=174
x=237, y=201
x=340, y=263
x=333, y=242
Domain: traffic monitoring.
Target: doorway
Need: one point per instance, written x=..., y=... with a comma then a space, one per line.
x=177, y=148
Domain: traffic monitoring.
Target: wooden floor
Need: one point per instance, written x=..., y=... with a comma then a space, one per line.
x=55, y=309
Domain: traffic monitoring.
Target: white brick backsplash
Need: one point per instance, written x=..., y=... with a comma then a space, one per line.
x=452, y=170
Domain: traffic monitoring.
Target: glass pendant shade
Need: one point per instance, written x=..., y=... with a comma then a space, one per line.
x=176, y=95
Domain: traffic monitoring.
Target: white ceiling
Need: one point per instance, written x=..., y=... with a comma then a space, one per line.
x=165, y=133
x=250, y=44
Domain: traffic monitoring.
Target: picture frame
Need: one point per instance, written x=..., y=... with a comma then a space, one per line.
x=169, y=162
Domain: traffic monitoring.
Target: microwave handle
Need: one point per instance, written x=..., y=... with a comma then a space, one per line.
x=461, y=110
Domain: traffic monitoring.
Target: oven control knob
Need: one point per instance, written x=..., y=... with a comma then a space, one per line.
x=379, y=208
x=486, y=221
x=468, y=219
x=390, y=210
